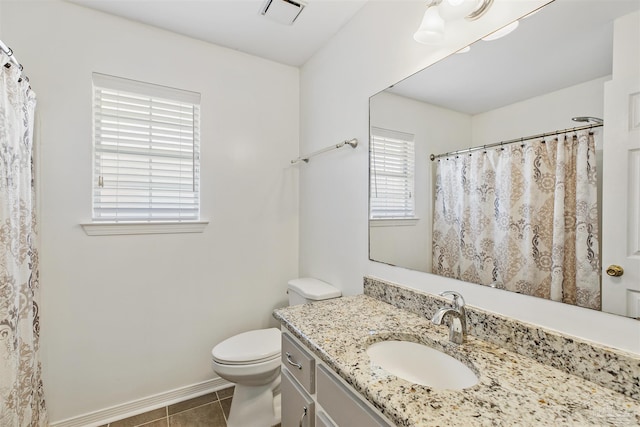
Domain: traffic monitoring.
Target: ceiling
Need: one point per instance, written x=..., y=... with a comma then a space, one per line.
x=238, y=24
x=576, y=50
x=565, y=43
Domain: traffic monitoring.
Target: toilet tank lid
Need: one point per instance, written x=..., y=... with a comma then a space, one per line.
x=313, y=289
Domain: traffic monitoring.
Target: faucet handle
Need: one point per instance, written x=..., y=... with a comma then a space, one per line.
x=458, y=301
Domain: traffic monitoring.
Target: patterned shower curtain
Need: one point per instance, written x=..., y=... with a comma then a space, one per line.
x=523, y=217
x=21, y=394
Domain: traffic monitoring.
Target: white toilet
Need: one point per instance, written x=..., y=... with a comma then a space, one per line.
x=251, y=360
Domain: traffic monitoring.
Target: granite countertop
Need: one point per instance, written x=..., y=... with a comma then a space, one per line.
x=513, y=390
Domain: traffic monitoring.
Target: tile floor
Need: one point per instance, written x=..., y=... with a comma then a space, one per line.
x=210, y=410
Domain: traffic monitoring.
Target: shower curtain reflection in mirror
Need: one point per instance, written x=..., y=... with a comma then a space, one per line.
x=522, y=217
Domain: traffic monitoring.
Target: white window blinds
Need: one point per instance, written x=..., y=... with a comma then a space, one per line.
x=392, y=174
x=146, y=152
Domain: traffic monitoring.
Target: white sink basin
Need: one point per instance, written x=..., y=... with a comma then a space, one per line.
x=420, y=364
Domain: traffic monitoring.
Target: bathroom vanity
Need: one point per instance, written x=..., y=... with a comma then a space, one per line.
x=543, y=385
x=315, y=394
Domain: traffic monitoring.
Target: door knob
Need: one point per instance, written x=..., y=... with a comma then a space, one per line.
x=615, y=271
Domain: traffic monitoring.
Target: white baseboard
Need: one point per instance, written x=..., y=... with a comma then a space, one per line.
x=129, y=409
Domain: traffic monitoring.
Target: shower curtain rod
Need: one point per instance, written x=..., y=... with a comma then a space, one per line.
x=353, y=143
x=511, y=141
x=12, y=58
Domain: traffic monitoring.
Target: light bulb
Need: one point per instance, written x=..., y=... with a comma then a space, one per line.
x=431, y=29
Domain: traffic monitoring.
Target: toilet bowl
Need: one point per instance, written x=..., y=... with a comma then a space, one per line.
x=251, y=360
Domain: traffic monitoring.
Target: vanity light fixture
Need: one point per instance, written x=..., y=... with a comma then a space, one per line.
x=468, y=9
x=431, y=30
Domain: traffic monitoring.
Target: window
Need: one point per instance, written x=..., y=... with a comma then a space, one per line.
x=146, y=152
x=392, y=175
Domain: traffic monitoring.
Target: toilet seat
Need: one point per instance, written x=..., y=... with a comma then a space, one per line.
x=250, y=347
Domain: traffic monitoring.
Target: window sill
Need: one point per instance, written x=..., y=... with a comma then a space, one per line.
x=118, y=228
x=393, y=222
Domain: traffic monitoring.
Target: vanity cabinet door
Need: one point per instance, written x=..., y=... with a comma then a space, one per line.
x=322, y=420
x=300, y=363
x=342, y=405
x=298, y=408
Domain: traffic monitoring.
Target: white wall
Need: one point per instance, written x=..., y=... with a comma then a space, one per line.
x=373, y=51
x=125, y=317
x=626, y=60
x=436, y=130
x=541, y=114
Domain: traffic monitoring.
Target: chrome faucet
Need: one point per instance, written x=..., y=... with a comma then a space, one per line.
x=458, y=325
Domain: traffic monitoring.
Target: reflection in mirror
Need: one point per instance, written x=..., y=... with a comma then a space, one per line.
x=558, y=65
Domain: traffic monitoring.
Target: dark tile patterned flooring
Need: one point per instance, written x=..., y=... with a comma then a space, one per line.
x=210, y=410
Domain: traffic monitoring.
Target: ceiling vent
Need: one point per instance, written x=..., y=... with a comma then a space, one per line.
x=282, y=11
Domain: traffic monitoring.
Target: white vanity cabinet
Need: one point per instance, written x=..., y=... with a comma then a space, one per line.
x=298, y=407
x=298, y=384
x=314, y=396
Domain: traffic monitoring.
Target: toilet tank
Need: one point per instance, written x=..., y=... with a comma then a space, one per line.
x=308, y=289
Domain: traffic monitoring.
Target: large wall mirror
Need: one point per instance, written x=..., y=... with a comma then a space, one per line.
x=568, y=66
